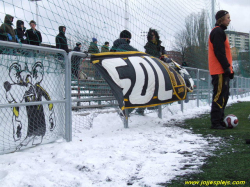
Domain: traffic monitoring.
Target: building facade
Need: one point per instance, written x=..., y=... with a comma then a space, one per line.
x=239, y=40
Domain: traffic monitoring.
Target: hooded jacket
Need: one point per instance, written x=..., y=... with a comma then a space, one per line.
x=122, y=45
x=7, y=28
x=19, y=31
x=34, y=37
x=2, y=36
x=93, y=48
x=61, y=40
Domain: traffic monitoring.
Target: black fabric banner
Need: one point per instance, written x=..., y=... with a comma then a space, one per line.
x=140, y=80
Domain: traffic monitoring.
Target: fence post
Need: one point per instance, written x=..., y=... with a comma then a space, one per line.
x=159, y=111
x=237, y=86
x=68, y=104
x=209, y=89
x=182, y=105
x=198, y=87
x=245, y=86
x=125, y=121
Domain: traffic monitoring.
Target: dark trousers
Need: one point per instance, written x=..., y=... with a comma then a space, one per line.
x=220, y=97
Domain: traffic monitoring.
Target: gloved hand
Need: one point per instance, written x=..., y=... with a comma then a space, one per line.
x=9, y=36
x=231, y=76
x=227, y=71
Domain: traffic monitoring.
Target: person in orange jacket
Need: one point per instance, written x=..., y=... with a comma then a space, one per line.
x=220, y=68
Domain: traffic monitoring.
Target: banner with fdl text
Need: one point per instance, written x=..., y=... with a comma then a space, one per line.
x=140, y=80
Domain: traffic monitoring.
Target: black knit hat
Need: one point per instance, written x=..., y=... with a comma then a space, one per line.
x=125, y=34
x=78, y=43
x=220, y=14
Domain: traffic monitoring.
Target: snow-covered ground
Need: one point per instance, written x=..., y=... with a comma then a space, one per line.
x=150, y=151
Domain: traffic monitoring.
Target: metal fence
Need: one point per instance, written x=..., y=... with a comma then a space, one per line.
x=239, y=87
x=91, y=95
x=43, y=87
x=34, y=99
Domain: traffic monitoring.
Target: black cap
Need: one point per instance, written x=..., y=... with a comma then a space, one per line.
x=78, y=43
x=220, y=14
x=125, y=34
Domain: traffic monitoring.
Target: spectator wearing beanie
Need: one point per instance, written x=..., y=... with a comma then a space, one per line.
x=220, y=68
x=105, y=47
x=78, y=47
x=93, y=48
x=122, y=44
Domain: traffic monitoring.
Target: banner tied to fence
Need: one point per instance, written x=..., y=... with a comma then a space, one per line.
x=140, y=80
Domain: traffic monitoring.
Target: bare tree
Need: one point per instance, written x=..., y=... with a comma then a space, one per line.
x=193, y=40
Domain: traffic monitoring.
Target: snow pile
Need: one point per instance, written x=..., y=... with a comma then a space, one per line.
x=149, y=152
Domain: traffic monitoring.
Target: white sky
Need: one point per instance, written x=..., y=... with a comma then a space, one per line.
x=239, y=12
x=104, y=19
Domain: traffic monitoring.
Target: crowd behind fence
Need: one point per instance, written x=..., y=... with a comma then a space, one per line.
x=40, y=94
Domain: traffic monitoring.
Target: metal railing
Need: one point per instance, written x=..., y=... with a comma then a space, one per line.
x=35, y=96
x=58, y=85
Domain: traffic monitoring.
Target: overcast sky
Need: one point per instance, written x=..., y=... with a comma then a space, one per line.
x=104, y=19
x=239, y=11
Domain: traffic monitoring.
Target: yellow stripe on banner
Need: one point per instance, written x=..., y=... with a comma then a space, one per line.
x=15, y=111
x=155, y=97
x=50, y=106
x=148, y=105
x=125, y=99
x=219, y=88
x=118, y=53
x=95, y=61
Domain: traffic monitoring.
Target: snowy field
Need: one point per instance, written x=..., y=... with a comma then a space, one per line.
x=149, y=152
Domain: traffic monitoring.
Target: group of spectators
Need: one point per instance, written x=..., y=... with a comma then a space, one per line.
x=20, y=35
x=220, y=58
x=33, y=37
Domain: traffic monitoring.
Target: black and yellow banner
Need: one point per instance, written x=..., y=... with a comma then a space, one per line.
x=140, y=80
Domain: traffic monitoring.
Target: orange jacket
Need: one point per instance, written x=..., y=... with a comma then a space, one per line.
x=219, y=54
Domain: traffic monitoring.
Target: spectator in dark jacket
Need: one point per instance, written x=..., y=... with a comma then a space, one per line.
x=2, y=36
x=122, y=44
x=153, y=46
x=75, y=62
x=93, y=48
x=33, y=36
x=20, y=32
x=78, y=47
x=61, y=40
x=7, y=29
x=105, y=47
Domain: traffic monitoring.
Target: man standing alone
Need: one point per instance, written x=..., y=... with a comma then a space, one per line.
x=220, y=68
x=61, y=40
